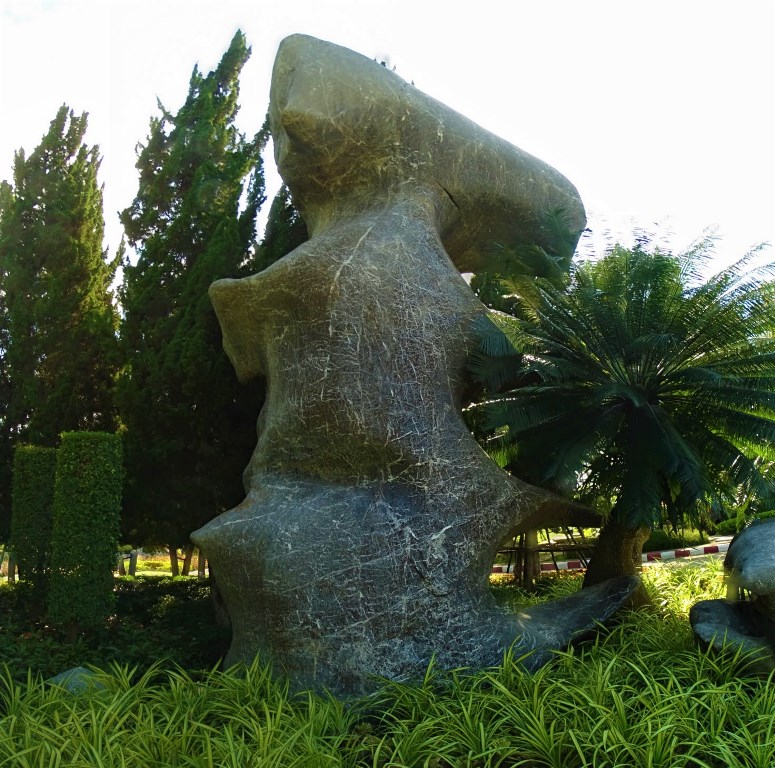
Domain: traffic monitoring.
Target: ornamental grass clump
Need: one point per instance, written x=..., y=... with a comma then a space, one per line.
x=640, y=694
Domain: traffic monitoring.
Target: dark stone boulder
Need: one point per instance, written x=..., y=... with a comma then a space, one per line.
x=744, y=622
x=750, y=564
x=736, y=627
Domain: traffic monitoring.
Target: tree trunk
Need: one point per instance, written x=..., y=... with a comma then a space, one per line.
x=174, y=569
x=188, y=553
x=532, y=568
x=618, y=553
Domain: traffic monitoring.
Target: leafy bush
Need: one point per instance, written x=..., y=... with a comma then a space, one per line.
x=727, y=527
x=736, y=524
x=84, y=541
x=32, y=502
x=158, y=620
x=661, y=539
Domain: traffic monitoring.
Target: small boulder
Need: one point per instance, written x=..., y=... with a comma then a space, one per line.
x=737, y=627
x=750, y=565
x=78, y=680
x=744, y=622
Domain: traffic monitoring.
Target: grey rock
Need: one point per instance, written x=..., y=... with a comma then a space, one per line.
x=78, y=680
x=750, y=564
x=746, y=621
x=736, y=627
x=372, y=516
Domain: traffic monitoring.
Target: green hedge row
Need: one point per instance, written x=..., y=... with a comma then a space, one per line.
x=85, y=535
x=32, y=497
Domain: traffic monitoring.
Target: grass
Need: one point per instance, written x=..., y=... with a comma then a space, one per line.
x=641, y=694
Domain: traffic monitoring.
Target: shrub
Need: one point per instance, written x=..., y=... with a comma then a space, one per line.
x=32, y=499
x=84, y=541
x=727, y=527
x=157, y=620
x=661, y=539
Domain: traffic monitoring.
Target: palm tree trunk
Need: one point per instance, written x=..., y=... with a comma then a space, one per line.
x=618, y=553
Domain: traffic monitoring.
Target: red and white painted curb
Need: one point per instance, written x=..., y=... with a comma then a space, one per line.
x=647, y=557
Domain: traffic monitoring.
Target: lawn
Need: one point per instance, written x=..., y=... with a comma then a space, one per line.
x=640, y=694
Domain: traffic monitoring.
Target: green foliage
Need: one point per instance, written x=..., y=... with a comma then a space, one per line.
x=642, y=383
x=727, y=527
x=736, y=524
x=7, y=436
x=190, y=427
x=157, y=620
x=34, y=469
x=662, y=539
x=640, y=695
x=84, y=540
x=61, y=353
x=58, y=345
x=285, y=230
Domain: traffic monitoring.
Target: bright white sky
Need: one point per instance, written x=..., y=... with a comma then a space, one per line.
x=661, y=113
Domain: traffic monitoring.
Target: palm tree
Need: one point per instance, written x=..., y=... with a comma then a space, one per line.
x=638, y=383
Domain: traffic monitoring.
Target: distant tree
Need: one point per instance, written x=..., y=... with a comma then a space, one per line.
x=190, y=427
x=58, y=321
x=285, y=230
x=642, y=385
x=6, y=431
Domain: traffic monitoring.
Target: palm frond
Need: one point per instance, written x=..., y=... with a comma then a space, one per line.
x=645, y=380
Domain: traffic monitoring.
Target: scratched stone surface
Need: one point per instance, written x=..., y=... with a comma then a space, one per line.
x=750, y=564
x=364, y=544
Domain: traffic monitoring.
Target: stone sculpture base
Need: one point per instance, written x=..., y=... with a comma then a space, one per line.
x=342, y=586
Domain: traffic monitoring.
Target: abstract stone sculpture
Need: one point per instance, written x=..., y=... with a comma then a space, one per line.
x=745, y=624
x=372, y=516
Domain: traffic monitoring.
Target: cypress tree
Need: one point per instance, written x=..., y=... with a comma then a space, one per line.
x=6, y=433
x=58, y=321
x=285, y=230
x=190, y=425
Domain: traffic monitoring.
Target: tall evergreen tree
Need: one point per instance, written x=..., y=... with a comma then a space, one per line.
x=285, y=230
x=190, y=425
x=6, y=439
x=58, y=321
